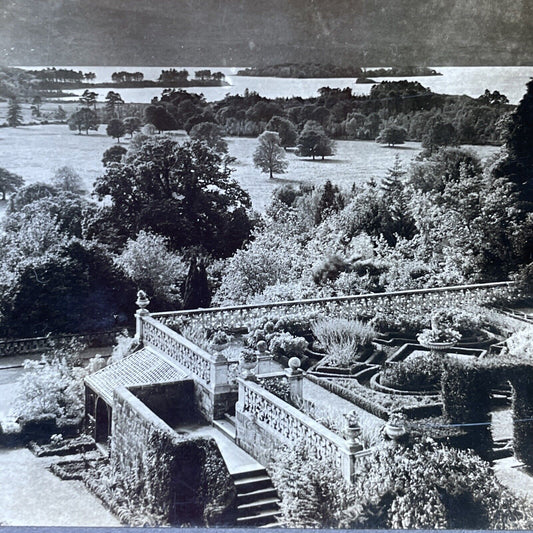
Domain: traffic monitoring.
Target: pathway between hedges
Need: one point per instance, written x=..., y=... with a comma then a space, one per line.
x=30, y=495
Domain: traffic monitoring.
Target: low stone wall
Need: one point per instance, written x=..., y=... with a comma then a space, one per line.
x=181, y=481
x=11, y=347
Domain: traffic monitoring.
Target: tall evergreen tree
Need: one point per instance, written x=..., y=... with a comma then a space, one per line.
x=518, y=165
x=14, y=113
x=196, y=291
x=331, y=200
x=393, y=180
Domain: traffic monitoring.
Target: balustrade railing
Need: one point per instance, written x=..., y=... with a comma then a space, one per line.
x=290, y=425
x=197, y=361
x=11, y=347
x=348, y=306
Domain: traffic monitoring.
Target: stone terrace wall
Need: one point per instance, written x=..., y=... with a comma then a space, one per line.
x=173, y=402
x=181, y=481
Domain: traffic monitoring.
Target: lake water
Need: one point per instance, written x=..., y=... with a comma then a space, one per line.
x=471, y=81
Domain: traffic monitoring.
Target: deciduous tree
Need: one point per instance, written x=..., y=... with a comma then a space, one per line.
x=115, y=128
x=182, y=192
x=9, y=182
x=269, y=156
x=113, y=155
x=392, y=135
x=83, y=120
x=67, y=179
x=314, y=142
x=285, y=128
x=131, y=125
x=210, y=133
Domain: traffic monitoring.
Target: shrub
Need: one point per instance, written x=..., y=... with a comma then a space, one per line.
x=465, y=391
x=520, y=344
x=523, y=412
x=52, y=386
x=278, y=386
x=343, y=339
x=311, y=491
x=429, y=486
x=285, y=344
x=415, y=373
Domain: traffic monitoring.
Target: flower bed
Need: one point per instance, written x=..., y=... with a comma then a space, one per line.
x=77, y=468
x=378, y=403
x=60, y=446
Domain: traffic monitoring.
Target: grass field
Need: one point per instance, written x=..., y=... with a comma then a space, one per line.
x=35, y=152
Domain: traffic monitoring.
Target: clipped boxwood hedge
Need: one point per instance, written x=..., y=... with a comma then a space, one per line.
x=466, y=388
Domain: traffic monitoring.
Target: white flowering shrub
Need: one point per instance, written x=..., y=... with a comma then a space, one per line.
x=53, y=385
x=520, y=344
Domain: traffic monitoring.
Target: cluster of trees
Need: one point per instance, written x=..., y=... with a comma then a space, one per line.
x=125, y=77
x=57, y=76
x=206, y=74
x=448, y=220
x=402, y=104
x=170, y=211
x=319, y=70
x=172, y=76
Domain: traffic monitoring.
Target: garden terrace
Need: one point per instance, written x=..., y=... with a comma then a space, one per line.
x=361, y=305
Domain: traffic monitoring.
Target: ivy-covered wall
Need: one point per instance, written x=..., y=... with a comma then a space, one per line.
x=181, y=481
x=173, y=402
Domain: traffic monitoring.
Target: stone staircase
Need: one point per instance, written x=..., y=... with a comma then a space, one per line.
x=257, y=499
x=226, y=425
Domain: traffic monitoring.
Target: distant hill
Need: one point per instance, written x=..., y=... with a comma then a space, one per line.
x=255, y=33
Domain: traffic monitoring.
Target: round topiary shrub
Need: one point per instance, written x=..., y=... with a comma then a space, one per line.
x=421, y=372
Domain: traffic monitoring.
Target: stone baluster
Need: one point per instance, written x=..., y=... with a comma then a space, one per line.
x=219, y=373
x=264, y=359
x=296, y=381
x=142, y=302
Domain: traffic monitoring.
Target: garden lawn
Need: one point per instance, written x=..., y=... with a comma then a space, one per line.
x=35, y=152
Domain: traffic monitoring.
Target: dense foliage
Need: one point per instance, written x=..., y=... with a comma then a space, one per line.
x=182, y=192
x=425, y=486
x=52, y=386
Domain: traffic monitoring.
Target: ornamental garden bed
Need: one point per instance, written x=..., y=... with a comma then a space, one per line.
x=378, y=403
x=76, y=468
x=59, y=446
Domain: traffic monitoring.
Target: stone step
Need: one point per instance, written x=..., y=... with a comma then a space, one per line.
x=249, y=471
x=262, y=518
x=226, y=428
x=271, y=525
x=230, y=418
x=269, y=492
x=252, y=484
x=247, y=509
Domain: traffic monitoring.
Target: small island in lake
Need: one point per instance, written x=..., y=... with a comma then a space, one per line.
x=317, y=70
x=58, y=79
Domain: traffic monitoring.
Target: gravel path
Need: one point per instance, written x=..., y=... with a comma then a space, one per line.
x=32, y=496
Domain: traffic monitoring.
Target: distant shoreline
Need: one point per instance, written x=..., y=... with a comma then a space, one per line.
x=312, y=70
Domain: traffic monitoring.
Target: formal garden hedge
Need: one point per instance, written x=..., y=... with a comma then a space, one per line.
x=466, y=389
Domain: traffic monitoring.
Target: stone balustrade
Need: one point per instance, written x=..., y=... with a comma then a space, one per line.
x=168, y=342
x=216, y=391
x=11, y=347
x=347, y=306
x=263, y=417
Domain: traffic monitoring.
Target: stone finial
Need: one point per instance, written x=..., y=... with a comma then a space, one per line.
x=142, y=302
x=294, y=365
x=261, y=347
